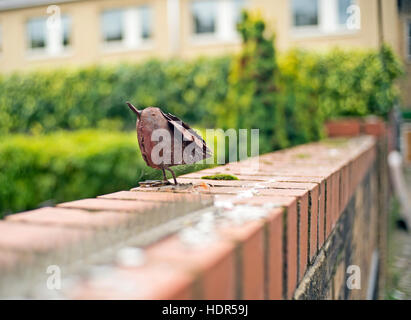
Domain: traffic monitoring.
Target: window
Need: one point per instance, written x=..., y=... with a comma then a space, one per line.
x=322, y=16
x=66, y=25
x=146, y=19
x=127, y=27
x=239, y=5
x=305, y=12
x=112, y=25
x=204, y=15
x=343, y=11
x=51, y=39
x=37, y=33
x=217, y=19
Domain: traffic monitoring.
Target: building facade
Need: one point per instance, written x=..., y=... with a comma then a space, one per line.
x=48, y=34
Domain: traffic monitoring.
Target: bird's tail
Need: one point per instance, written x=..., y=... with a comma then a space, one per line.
x=134, y=109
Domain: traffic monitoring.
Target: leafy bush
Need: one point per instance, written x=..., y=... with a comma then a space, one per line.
x=94, y=97
x=251, y=99
x=289, y=98
x=65, y=166
x=339, y=83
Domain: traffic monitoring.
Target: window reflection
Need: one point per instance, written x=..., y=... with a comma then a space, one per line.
x=66, y=29
x=204, y=16
x=112, y=25
x=239, y=5
x=146, y=17
x=342, y=11
x=305, y=12
x=36, y=31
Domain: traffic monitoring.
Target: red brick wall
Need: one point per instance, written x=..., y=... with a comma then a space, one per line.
x=288, y=231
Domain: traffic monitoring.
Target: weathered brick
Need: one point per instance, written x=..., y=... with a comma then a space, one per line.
x=70, y=218
x=291, y=249
x=250, y=258
x=343, y=128
x=321, y=218
x=303, y=235
x=274, y=252
x=8, y=259
x=314, y=218
x=33, y=238
x=153, y=281
x=147, y=196
x=213, y=264
x=109, y=205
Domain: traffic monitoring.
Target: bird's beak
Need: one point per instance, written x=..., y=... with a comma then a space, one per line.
x=134, y=109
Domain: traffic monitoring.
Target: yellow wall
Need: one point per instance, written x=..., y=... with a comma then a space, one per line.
x=87, y=47
x=86, y=44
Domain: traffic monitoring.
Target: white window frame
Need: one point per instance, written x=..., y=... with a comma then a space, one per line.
x=132, y=31
x=328, y=23
x=225, y=25
x=54, y=46
x=407, y=41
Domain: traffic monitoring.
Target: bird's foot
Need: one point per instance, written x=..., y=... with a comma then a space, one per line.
x=154, y=183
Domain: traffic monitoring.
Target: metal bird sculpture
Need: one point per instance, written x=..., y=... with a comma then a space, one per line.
x=179, y=144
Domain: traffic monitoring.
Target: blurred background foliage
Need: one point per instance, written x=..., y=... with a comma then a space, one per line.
x=62, y=166
x=287, y=96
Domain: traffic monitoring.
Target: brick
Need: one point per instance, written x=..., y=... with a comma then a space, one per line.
x=153, y=281
x=273, y=201
x=147, y=196
x=251, y=183
x=374, y=127
x=250, y=260
x=109, y=205
x=196, y=177
x=291, y=249
x=337, y=185
x=70, y=218
x=242, y=190
x=343, y=128
x=321, y=224
x=8, y=259
x=289, y=203
x=213, y=264
x=314, y=216
x=274, y=251
x=329, y=206
x=303, y=235
x=333, y=200
x=36, y=238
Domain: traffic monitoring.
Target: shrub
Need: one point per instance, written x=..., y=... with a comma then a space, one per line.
x=287, y=98
x=251, y=99
x=94, y=97
x=65, y=166
x=339, y=83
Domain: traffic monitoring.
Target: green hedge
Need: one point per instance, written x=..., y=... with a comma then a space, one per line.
x=309, y=88
x=66, y=166
x=341, y=82
x=44, y=101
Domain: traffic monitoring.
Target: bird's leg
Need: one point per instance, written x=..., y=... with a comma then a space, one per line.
x=174, y=175
x=164, y=175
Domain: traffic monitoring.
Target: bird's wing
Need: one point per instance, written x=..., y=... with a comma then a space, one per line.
x=189, y=136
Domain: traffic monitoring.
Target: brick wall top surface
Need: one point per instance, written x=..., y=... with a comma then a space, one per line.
x=251, y=239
